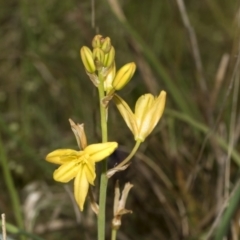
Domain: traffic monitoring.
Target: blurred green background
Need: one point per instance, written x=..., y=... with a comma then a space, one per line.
x=184, y=171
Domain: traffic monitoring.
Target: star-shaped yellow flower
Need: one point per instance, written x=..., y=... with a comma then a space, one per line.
x=79, y=164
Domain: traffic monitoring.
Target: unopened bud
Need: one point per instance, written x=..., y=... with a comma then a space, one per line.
x=98, y=56
x=87, y=59
x=97, y=41
x=109, y=57
x=108, y=80
x=124, y=75
x=106, y=45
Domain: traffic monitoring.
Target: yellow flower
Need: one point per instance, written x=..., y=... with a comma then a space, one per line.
x=79, y=165
x=148, y=111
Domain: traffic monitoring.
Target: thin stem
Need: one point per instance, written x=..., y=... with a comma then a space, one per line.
x=11, y=188
x=102, y=206
x=114, y=234
x=103, y=179
x=128, y=158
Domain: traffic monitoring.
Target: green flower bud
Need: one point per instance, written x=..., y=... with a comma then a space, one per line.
x=106, y=45
x=97, y=41
x=109, y=76
x=87, y=59
x=124, y=75
x=109, y=57
x=98, y=56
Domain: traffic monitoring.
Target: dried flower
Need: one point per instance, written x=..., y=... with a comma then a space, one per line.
x=119, y=204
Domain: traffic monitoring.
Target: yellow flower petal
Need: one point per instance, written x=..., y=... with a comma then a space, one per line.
x=66, y=172
x=89, y=169
x=126, y=113
x=158, y=108
x=152, y=117
x=61, y=156
x=81, y=186
x=143, y=104
x=99, y=151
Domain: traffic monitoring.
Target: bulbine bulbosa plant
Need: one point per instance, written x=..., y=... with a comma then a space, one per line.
x=79, y=165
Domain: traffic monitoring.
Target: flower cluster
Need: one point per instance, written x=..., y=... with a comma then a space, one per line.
x=101, y=61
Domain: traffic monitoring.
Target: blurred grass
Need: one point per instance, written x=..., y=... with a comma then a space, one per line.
x=43, y=83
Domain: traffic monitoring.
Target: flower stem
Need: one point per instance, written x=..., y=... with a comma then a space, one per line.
x=103, y=179
x=114, y=234
x=102, y=207
x=103, y=113
x=128, y=158
x=11, y=188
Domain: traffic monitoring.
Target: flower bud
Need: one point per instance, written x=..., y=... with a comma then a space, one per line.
x=97, y=41
x=124, y=75
x=109, y=57
x=106, y=45
x=87, y=59
x=98, y=57
x=109, y=77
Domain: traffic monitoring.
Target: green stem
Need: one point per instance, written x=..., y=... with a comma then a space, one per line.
x=128, y=158
x=114, y=234
x=103, y=113
x=103, y=179
x=11, y=188
x=102, y=207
